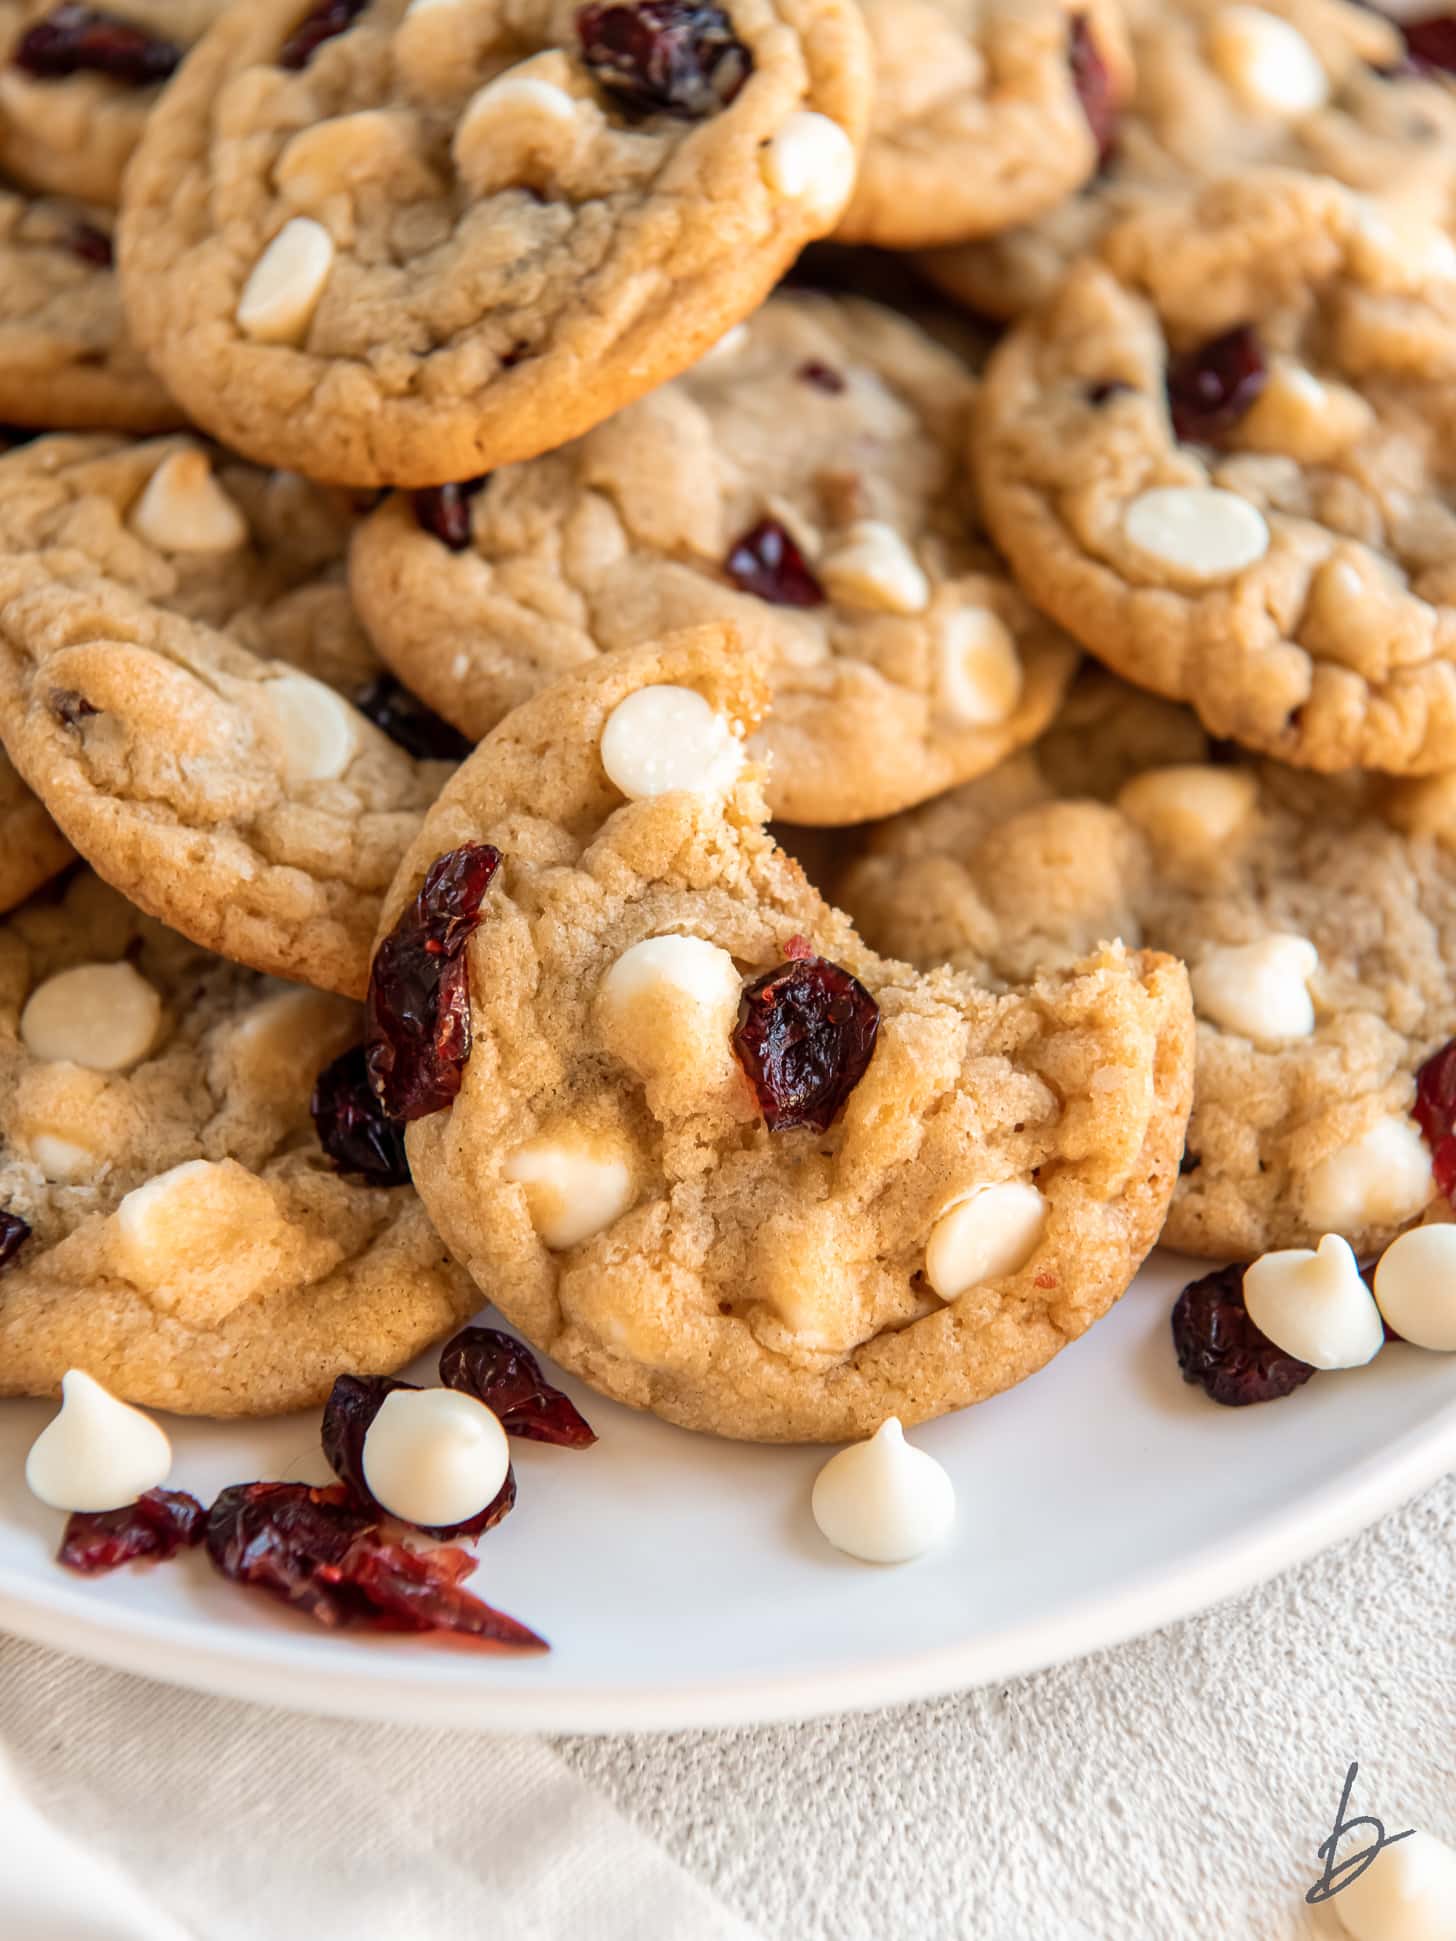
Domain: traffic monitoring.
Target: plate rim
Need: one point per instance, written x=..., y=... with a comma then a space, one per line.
x=410, y=1691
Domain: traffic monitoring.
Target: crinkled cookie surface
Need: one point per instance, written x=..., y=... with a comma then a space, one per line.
x=607, y=1169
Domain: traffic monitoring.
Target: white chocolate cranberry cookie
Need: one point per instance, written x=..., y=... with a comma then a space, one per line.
x=32, y=848
x=986, y=113
x=65, y=357
x=213, y=774
x=804, y=483
x=698, y=1141
x=78, y=82
x=1321, y=85
x=168, y=1218
x=1317, y=916
x=1224, y=457
x=394, y=244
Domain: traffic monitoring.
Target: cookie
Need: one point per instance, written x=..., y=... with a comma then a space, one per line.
x=804, y=483
x=190, y=1244
x=65, y=356
x=1317, y=916
x=925, y=1191
x=1322, y=85
x=77, y=84
x=32, y=848
x=986, y=113
x=393, y=245
x=188, y=745
x=1222, y=458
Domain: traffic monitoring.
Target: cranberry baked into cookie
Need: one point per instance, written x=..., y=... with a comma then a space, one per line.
x=986, y=112
x=394, y=244
x=1322, y=85
x=1224, y=457
x=697, y=1140
x=805, y=483
x=168, y=1219
x=1317, y=916
x=183, y=683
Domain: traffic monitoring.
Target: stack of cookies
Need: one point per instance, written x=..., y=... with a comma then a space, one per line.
x=440, y=536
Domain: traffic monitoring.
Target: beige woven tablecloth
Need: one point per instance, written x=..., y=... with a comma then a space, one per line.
x=1172, y=1790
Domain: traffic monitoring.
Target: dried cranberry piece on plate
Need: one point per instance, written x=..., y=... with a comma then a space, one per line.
x=1435, y=1114
x=157, y=1526
x=503, y=1373
x=1220, y=1349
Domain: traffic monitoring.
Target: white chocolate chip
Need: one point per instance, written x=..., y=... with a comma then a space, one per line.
x=1300, y=417
x=1407, y=1893
x=103, y=1016
x=1268, y=62
x=1314, y=1305
x=1415, y=1286
x=185, y=510
x=654, y=971
x=62, y=1160
x=728, y=345
x=1260, y=990
x=991, y=1231
x=572, y=1190
x=883, y=1501
x=98, y=1453
x=1381, y=1179
x=811, y=161
x=205, y=1236
x=1401, y=249
x=978, y=674
x=435, y=1456
x=661, y=739
x=1195, y=809
x=1199, y=531
x=517, y=128
x=871, y=566
x=341, y=153
x=280, y=296
x=316, y=730
x=666, y=1008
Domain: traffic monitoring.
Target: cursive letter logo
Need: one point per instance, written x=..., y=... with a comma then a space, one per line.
x=1338, y=1876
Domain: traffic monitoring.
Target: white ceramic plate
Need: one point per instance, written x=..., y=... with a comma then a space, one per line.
x=682, y=1582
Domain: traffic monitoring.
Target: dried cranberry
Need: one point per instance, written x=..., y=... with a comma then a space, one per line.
x=332, y=18
x=823, y=377
x=351, y=1127
x=313, y=1549
x=805, y=1036
x=418, y=730
x=417, y=1014
x=157, y=1525
x=91, y=245
x=1212, y=386
x=503, y=1373
x=77, y=40
x=444, y=510
x=1435, y=1114
x=1106, y=389
x=666, y=57
x=1432, y=42
x=766, y=561
x=1219, y=1347
x=14, y=1232
x=1092, y=79
x=353, y=1403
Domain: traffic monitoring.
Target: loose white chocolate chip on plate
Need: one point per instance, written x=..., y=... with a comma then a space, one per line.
x=979, y=670
x=572, y=1192
x=883, y=1501
x=317, y=730
x=434, y=1456
x=1314, y=1305
x=98, y=1453
x=1407, y=1893
x=812, y=161
x=991, y=1231
x=1194, y=809
x=1268, y=62
x=282, y=293
x=1415, y=1287
x=1201, y=531
x=1380, y=1179
x=184, y=510
x=871, y=566
x=1259, y=991
x=662, y=739
x=103, y=1016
